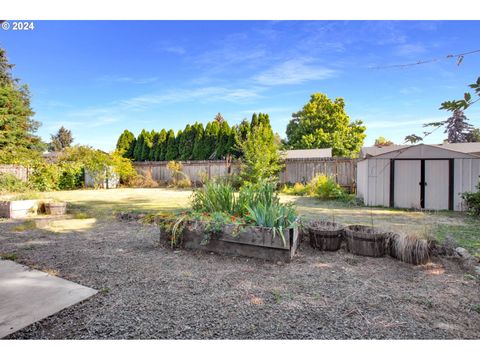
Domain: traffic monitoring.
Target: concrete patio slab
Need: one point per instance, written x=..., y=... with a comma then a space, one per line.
x=28, y=295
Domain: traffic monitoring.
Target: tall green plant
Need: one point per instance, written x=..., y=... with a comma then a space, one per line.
x=260, y=155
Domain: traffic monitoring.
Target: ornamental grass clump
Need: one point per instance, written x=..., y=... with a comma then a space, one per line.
x=409, y=248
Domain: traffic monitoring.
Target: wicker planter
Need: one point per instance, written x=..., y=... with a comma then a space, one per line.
x=251, y=241
x=365, y=241
x=325, y=235
x=56, y=208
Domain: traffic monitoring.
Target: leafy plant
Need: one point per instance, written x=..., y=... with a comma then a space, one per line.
x=10, y=183
x=472, y=201
x=325, y=187
x=215, y=196
x=44, y=177
x=179, y=178
x=278, y=217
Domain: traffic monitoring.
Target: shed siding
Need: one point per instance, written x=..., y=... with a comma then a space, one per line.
x=362, y=180
x=377, y=188
x=467, y=176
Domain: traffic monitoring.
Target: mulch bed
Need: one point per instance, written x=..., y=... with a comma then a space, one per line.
x=149, y=291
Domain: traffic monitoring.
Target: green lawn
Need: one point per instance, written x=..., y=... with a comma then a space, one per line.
x=102, y=204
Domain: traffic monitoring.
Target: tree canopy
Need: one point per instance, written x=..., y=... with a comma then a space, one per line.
x=323, y=123
x=381, y=141
x=456, y=126
x=17, y=126
x=126, y=144
x=61, y=140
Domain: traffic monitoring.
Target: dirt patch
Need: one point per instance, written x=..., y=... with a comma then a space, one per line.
x=149, y=291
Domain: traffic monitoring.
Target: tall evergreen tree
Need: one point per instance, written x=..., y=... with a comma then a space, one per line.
x=211, y=135
x=161, y=146
x=186, y=147
x=171, y=149
x=222, y=147
x=147, y=145
x=198, y=152
x=61, y=140
x=126, y=144
x=153, y=149
x=137, y=152
x=254, y=122
x=17, y=126
x=232, y=150
x=219, y=118
x=240, y=135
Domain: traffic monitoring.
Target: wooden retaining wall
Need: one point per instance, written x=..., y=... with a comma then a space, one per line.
x=19, y=171
x=296, y=170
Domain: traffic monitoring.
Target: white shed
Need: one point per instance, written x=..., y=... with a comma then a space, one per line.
x=418, y=176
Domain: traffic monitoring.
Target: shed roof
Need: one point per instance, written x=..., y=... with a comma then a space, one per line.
x=424, y=151
x=308, y=153
x=466, y=148
x=469, y=148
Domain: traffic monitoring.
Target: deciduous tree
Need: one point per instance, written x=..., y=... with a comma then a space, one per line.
x=323, y=123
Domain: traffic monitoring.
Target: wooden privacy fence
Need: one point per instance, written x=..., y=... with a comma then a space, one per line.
x=344, y=170
x=296, y=170
x=19, y=171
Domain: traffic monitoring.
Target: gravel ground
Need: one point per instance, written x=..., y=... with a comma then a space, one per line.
x=149, y=291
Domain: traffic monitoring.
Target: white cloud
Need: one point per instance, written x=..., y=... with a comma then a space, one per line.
x=294, y=71
x=410, y=49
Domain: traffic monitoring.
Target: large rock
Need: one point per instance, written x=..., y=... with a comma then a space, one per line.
x=463, y=253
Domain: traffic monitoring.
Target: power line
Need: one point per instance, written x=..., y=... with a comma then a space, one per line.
x=459, y=58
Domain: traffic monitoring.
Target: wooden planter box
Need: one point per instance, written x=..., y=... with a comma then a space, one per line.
x=16, y=209
x=251, y=241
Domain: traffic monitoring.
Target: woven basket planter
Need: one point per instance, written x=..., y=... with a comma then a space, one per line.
x=325, y=235
x=365, y=240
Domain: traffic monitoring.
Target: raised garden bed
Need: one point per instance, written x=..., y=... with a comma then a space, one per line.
x=15, y=209
x=237, y=240
x=325, y=235
x=365, y=240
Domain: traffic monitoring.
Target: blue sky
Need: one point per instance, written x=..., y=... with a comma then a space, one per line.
x=99, y=77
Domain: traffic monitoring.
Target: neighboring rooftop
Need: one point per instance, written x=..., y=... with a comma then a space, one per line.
x=467, y=148
x=308, y=153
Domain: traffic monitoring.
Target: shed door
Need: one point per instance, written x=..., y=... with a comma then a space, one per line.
x=407, y=184
x=436, y=184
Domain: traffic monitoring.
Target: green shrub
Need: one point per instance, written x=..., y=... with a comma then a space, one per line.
x=297, y=189
x=472, y=201
x=184, y=183
x=44, y=177
x=10, y=183
x=321, y=186
x=325, y=187
x=71, y=177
